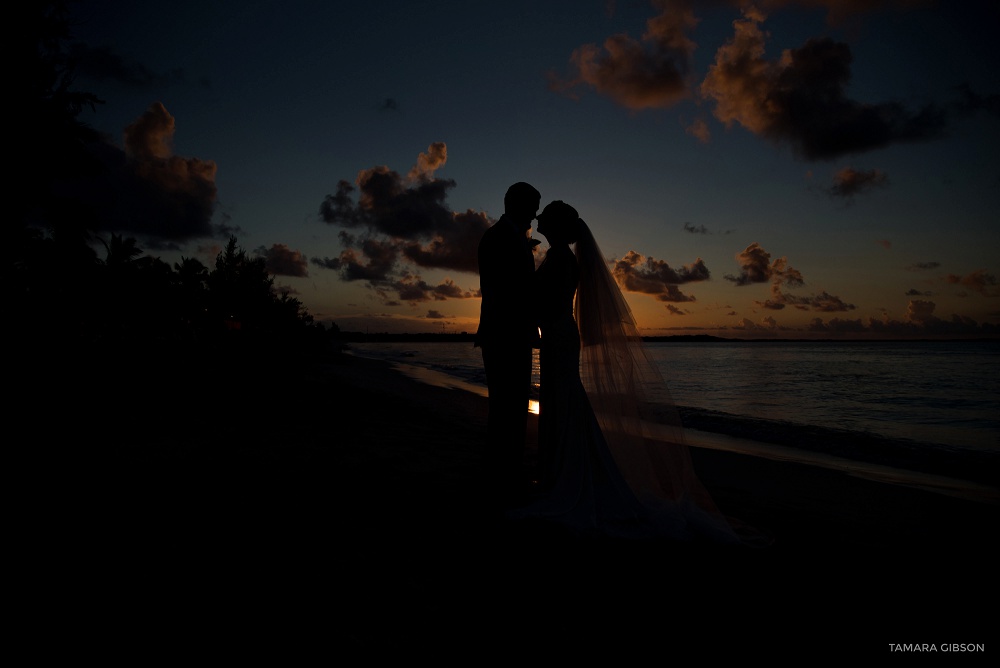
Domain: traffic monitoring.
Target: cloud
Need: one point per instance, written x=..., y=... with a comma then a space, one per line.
x=412, y=288
x=283, y=261
x=824, y=301
x=800, y=99
x=913, y=292
x=884, y=243
x=427, y=163
x=919, y=310
x=145, y=189
x=923, y=266
x=918, y=321
x=691, y=228
x=674, y=310
x=389, y=104
x=435, y=315
x=756, y=267
x=767, y=323
x=454, y=245
x=636, y=273
x=978, y=280
x=970, y=101
x=326, y=262
x=403, y=221
x=638, y=74
x=379, y=258
x=699, y=130
x=849, y=182
x=840, y=10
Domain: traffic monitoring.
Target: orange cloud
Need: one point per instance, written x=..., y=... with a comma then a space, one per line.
x=636, y=273
x=283, y=261
x=800, y=98
x=756, y=267
x=849, y=182
x=977, y=280
x=639, y=74
x=427, y=163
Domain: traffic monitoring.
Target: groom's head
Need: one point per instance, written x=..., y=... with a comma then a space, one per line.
x=521, y=203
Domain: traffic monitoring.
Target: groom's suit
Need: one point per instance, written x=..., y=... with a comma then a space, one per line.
x=508, y=331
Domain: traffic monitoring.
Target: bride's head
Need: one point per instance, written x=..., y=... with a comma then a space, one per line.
x=559, y=223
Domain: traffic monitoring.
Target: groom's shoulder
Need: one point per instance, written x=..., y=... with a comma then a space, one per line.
x=495, y=232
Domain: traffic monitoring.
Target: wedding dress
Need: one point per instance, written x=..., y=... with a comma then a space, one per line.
x=614, y=462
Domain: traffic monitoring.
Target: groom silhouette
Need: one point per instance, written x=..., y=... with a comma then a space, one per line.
x=508, y=330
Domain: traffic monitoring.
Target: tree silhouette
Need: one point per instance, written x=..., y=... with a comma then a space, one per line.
x=240, y=289
x=46, y=109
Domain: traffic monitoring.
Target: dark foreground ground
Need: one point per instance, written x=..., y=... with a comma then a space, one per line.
x=341, y=503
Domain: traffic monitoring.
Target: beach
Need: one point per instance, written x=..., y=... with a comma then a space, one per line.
x=365, y=503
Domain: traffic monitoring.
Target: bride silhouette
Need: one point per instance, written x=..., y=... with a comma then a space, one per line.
x=612, y=461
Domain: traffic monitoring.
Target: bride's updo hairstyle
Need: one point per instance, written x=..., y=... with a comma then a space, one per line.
x=564, y=218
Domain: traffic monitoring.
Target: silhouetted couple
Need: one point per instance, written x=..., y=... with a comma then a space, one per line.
x=601, y=468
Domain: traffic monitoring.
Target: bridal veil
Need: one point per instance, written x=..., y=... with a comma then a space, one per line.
x=628, y=394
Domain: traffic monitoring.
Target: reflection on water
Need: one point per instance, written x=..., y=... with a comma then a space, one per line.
x=931, y=392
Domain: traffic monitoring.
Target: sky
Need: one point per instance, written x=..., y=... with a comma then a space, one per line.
x=785, y=168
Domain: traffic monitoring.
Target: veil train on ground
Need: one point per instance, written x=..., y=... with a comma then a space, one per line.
x=631, y=401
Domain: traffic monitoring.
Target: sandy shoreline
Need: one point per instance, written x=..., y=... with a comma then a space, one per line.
x=887, y=461
x=365, y=492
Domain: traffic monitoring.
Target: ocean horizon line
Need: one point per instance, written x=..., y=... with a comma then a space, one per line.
x=465, y=336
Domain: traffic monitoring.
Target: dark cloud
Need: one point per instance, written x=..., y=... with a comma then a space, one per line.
x=454, y=245
x=919, y=321
x=978, y=280
x=145, y=189
x=884, y=243
x=849, y=182
x=389, y=104
x=923, y=266
x=435, y=315
x=283, y=261
x=920, y=310
x=970, y=101
x=412, y=289
x=767, y=324
x=404, y=221
x=913, y=292
x=638, y=74
x=636, y=273
x=839, y=11
x=380, y=258
x=675, y=311
x=756, y=267
x=326, y=262
x=103, y=64
x=800, y=98
x=824, y=301
x=691, y=228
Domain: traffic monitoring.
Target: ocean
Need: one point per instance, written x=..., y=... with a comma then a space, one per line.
x=933, y=401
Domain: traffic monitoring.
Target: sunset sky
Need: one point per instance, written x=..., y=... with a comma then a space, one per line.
x=776, y=169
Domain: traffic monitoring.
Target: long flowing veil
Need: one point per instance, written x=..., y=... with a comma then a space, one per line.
x=640, y=422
